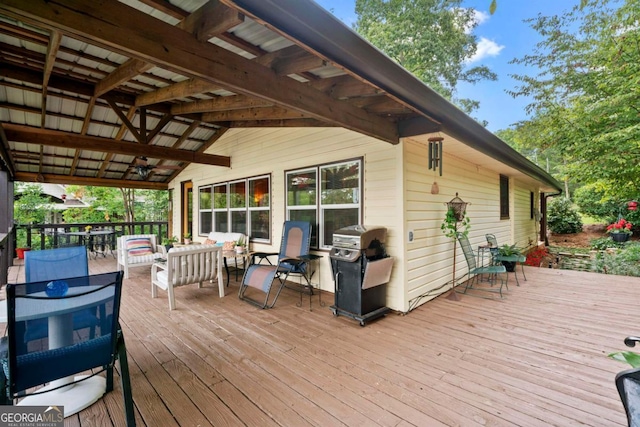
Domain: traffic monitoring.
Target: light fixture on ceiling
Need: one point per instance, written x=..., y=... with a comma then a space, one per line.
x=142, y=167
x=142, y=171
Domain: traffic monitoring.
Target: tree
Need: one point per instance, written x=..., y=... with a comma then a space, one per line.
x=587, y=91
x=126, y=204
x=30, y=206
x=430, y=38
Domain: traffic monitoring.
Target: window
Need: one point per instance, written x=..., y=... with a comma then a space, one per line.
x=331, y=202
x=532, y=206
x=242, y=206
x=504, y=197
x=204, y=206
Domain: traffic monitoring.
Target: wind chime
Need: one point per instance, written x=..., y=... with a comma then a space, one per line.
x=435, y=159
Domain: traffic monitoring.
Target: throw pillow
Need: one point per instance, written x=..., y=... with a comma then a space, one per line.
x=209, y=242
x=228, y=246
x=138, y=246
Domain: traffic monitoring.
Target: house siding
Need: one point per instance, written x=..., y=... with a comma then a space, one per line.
x=396, y=194
x=429, y=257
x=256, y=152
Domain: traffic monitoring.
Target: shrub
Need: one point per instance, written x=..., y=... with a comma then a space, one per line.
x=563, y=218
x=604, y=243
x=592, y=200
x=536, y=255
x=624, y=262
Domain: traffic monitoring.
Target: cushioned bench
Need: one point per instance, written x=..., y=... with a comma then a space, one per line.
x=187, y=265
x=220, y=239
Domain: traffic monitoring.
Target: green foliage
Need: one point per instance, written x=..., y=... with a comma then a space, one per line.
x=585, y=97
x=451, y=227
x=592, y=200
x=629, y=357
x=169, y=240
x=509, y=250
x=605, y=243
x=623, y=262
x=562, y=217
x=30, y=206
x=430, y=38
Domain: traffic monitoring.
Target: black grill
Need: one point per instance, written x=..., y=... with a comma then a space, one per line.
x=360, y=268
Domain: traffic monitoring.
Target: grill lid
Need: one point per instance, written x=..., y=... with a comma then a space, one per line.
x=359, y=237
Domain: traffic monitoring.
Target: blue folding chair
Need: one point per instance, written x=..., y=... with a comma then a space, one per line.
x=55, y=264
x=293, y=258
x=52, y=264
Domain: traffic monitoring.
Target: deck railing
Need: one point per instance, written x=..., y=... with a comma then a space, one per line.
x=47, y=236
x=6, y=251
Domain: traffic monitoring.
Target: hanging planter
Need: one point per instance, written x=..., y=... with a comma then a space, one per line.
x=620, y=237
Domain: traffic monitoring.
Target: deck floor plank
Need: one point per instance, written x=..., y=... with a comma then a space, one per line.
x=537, y=357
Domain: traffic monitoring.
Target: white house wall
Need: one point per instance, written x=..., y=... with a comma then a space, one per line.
x=396, y=194
x=429, y=257
x=273, y=151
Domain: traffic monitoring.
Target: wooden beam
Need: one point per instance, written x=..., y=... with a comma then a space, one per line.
x=126, y=30
x=216, y=136
x=220, y=103
x=161, y=124
x=85, y=180
x=121, y=132
x=267, y=113
x=5, y=153
x=166, y=7
x=52, y=51
x=123, y=73
x=290, y=60
x=181, y=89
x=294, y=123
x=38, y=136
x=125, y=121
x=50, y=59
x=342, y=87
x=211, y=19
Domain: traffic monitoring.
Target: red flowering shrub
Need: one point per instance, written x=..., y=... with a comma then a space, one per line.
x=536, y=255
x=620, y=226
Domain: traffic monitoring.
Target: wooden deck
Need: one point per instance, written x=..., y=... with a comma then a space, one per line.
x=536, y=358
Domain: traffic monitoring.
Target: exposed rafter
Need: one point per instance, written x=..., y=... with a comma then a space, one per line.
x=62, y=139
x=142, y=37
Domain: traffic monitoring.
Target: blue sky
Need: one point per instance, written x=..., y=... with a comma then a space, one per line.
x=502, y=37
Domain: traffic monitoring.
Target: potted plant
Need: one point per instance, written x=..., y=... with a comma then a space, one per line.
x=20, y=252
x=240, y=245
x=187, y=238
x=620, y=231
x=168, y=242
x=512, y=252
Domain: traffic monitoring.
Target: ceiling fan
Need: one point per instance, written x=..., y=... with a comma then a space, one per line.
x=142, y=167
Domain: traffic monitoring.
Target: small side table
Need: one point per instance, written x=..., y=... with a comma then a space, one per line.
x=235, y=255
x=312, y=259
x=517, y=259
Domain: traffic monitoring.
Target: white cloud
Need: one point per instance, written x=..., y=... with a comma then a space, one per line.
x=481, y=17
x=486, y=48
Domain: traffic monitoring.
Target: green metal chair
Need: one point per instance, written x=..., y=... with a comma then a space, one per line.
x=498, y=259
x=474, y=271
